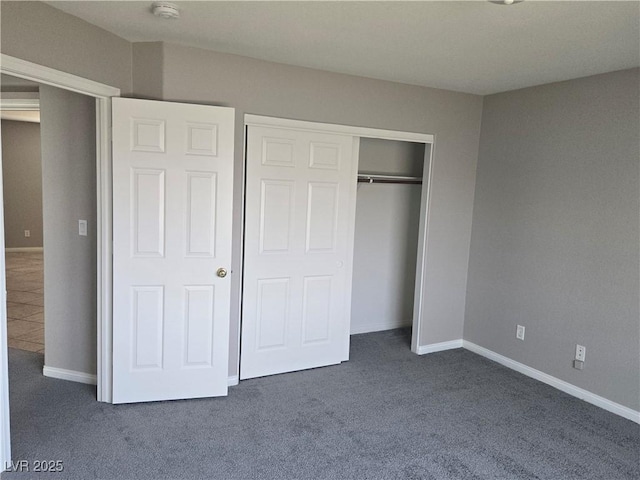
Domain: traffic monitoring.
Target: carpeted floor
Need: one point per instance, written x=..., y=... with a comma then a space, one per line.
x=385, y=414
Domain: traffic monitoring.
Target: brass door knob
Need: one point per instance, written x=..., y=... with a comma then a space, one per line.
x=222, y=272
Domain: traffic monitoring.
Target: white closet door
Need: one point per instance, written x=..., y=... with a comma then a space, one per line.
x=172, y=203
x=300, y=209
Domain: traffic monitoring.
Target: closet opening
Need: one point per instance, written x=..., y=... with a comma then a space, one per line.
x=335, y=241
x=387, y=228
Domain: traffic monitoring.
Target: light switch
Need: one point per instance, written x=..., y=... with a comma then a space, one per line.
x=82, y=228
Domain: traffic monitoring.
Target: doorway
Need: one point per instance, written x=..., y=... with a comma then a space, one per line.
x=390, y=176
x=22, y=173
x=102, y=95
x=49, y=174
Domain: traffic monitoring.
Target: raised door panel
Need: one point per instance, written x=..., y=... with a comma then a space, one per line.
x=148, y=209
x=278, y=152
x=276, y=214
x=272, y=313
x=316, y=309
x=199, y=320
x=147, y=135
x=324, y=155
x=147, y=321
x=201, y=214
x=202, y=139
x=322, y=217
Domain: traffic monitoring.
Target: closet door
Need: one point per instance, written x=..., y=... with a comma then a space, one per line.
x=300, y=209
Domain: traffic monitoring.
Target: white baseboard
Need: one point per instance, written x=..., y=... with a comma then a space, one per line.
x=23, y=249
x=566, y=387
x=439, y=347
x=71, y=375
x=377, y=327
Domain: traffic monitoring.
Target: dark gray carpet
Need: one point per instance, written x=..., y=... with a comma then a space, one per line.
x=386, y=413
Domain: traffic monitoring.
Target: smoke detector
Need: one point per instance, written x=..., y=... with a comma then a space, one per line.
x=166, y=10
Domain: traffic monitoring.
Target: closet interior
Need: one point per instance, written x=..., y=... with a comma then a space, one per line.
x=390, y=176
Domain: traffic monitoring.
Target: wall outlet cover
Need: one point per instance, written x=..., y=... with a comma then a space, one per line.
x=520, y=332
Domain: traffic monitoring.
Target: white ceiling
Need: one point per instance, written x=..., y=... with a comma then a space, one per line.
x=469, y=46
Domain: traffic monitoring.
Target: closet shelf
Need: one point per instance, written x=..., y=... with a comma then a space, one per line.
x=377, y=178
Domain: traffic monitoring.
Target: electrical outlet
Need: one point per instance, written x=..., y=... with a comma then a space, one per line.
x=581, y=352
x=82, y=228
x=27, y=233
x=520, y=332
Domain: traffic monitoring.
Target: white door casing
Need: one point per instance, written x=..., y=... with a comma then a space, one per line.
x=5, y=438
x=300, y=205
x=172, y=199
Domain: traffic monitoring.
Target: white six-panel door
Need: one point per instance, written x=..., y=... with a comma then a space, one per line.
x=172, y=207
x=297, y=263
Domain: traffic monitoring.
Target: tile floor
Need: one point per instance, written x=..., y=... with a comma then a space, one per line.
x=25, y=300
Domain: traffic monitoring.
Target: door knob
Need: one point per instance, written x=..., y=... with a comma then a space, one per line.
x=222, y=272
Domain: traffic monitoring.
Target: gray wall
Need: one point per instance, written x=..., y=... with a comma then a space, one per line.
x=147, y=74
x=69, y=191
x=41, y=34
x=386, y=237
x=555, y=231
x=22, y=173
x=259, y=87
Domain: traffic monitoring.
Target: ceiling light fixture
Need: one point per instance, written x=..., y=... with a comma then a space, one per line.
x=165, y=10
x=506, y=2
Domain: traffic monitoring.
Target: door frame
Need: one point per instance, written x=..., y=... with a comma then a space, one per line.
x=425, y=202
x=102, y=93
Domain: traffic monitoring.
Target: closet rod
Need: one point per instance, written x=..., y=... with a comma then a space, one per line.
x=376, y=178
